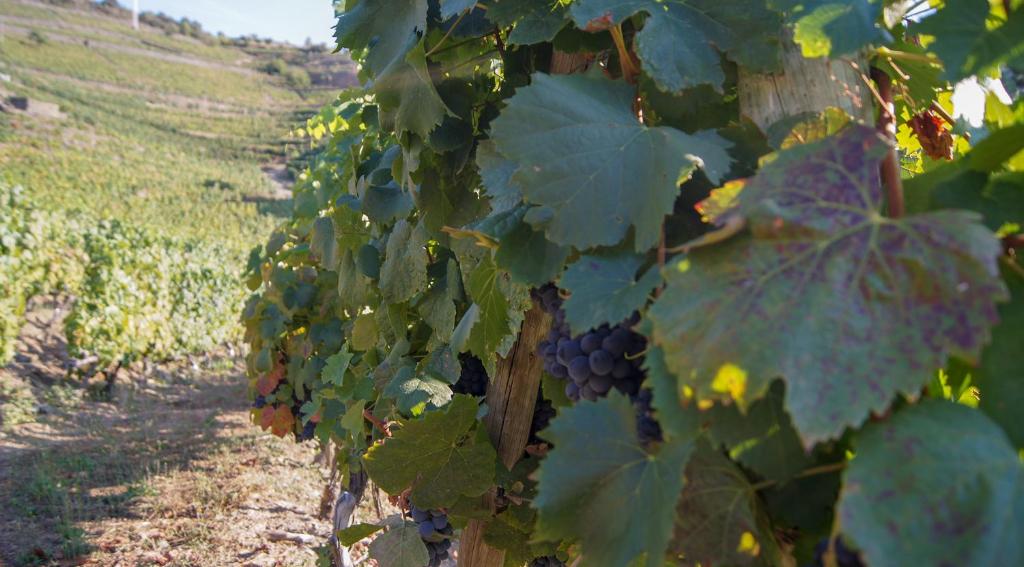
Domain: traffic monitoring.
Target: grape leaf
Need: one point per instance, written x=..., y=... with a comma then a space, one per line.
x=407, y=95
x=386, y=203
x=365, y=332
x=404, y=272
x=438, y=455
x=597, y=470
x=830, y=28
x=499, y=318
x=936, y=484
x=677, y=421
x=719, y=519
x=353, y=287
x=965, y=43
x=400, y=546
x=536, y=21
x=620, y=172
x=451, y=8
x=336, y=367
x=1000, y=374
x=678, y=40
x=323, y=244
x=529, y=257
x=496, y=173
x=762, y=440
x=850, y=308
x=352, y=534
x=415, y=392
x=386, y=28
x=437, y=308
x=605, y=290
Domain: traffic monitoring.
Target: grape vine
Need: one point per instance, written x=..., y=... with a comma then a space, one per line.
x=770, y=326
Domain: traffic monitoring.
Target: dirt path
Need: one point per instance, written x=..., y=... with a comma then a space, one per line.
x=168, y=471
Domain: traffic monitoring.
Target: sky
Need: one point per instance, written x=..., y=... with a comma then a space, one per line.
x=283, y=20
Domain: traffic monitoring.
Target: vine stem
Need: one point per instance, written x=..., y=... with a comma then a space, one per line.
x=813, y=471
x=384, y=427
x=629, y=67
x=886, y=125
x=434, y=49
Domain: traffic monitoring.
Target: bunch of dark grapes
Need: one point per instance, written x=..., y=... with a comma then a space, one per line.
x=435, y=531
x=543, y=413
x=549, y=561
x=260, y=402
x=307, y=431
x=845, y=557
x=473, y=380
x=596, y=361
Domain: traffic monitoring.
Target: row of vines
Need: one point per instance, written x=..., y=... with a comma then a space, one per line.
x=766, y=344
x=133, y=294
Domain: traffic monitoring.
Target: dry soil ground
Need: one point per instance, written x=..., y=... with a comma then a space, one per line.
x=167, y=470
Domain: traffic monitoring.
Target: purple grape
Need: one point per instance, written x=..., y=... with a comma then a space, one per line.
x=572, y=391
x=615, y=343
x=622, y=370
x=590, y=342
x=600, y=384
x=568, y=351
x=439, y=522
x=426, y=529
x=559, y=371
x=418, y=515
x=588, y=393
x=601, y=362
x=579, y=369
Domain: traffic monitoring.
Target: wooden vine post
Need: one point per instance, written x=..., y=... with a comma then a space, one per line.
x=805, y=85
x=512, y=393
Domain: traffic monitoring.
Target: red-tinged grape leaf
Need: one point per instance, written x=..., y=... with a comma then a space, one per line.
x=283, y=421
x=719, y=518
x=269, y=381
x=849, y=307
x=678, y=42
x=598, y=469
x=605, y=289
x=352, y=534
x=1000, y=374
x=266, y=417
x=936, y=484
x=439, y=456
x=400, y=546
x=620, y=174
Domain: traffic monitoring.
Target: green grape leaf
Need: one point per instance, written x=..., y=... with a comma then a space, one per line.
x=388, y=28
x=386, y=203
x=439, y=456
x=452, y=8
x=352, y=534
x=529, y=257
x=598, y=469
x=415, y=392
x=496, y=173
x=499, y=317
x=719, y=519
x=437, y=308
x=620, y=174
x=336, y=367
x=964, y=41
x=999, y=198
x=443, y=365
x=404, y=272
x=677, y=43
x=365, y=332
x=536, y=21
x=323, y=243
x=400, y=546
x=936, y=484
x=1000, y=374
x=763, y=440
x=831, y=28
x=849, y=307
x=605, y=290
x=353, y=287
x=445, y=202
x=407, y=95
x=677, y=421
